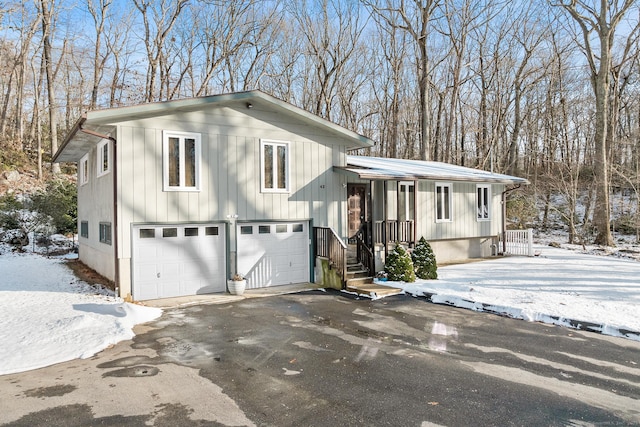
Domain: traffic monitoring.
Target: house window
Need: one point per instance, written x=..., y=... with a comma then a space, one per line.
x=84, y=229
x=181, y=161
x=274, y=163
x=483, y=200
x=84, y=170
x=105, y=232
x=443, y=202
x=103, y=160
x=406, y=201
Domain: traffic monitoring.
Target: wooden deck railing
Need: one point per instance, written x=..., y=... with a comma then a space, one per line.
x=396, y=231
x=329, y=245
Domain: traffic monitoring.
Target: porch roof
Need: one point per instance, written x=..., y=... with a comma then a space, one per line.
x=378, y=168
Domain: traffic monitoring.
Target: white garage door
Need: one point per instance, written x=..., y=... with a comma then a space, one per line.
x=178, y=260
x=271, y=254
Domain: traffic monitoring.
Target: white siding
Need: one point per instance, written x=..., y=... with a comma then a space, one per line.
x=95, y=210
x=230, y=174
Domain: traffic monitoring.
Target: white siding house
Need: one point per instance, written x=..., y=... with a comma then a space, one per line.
x=175, y=197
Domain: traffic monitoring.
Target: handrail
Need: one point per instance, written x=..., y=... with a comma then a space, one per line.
x=329, y=245
x=364, y=252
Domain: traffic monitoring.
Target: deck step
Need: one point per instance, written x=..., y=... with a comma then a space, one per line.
x=371, y=289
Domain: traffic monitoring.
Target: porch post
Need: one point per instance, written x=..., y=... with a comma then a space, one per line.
x=371, y=240
x=384, y=223
x=415, y=213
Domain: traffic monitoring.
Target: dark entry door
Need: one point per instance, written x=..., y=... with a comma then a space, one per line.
x=357, y=205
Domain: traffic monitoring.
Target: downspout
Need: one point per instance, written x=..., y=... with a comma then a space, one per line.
x=116, y=280
x=504, y=217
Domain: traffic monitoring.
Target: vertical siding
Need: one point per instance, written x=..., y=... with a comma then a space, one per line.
x=95, y=210
x=464, y=212
x=230, y=173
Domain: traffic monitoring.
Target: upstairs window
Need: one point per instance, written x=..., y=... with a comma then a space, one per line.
x=443, y=202
x=103, y=160
x=274, y=162
x=83, y=170
x=181, y=161
x=483, y=202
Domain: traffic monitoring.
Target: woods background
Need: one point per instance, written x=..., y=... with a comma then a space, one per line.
x=547, y=90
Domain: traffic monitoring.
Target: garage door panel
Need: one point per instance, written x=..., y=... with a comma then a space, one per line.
x=277, y=257
x=178, y=260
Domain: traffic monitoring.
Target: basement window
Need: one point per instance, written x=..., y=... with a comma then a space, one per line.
x=105, y=233
x=84, y=229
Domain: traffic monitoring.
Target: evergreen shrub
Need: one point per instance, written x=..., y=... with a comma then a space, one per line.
x=399, y=266
x=424, y=260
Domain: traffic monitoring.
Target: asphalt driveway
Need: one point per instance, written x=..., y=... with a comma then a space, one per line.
x=324, y=359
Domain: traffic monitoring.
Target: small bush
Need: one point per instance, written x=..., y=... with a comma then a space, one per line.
x=59, y=201
x=424, y=260
x=399, y=266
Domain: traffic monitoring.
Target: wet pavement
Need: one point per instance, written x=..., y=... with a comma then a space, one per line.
x=325, y=359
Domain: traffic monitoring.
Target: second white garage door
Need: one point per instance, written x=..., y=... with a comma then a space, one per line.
x=272, y=254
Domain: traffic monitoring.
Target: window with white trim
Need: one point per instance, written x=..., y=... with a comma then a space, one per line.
x=274, y=166
x=83, y=169
x=181, y=161
x=443, y=202
x=406, y=201
x=483, y=202
x=103, y=159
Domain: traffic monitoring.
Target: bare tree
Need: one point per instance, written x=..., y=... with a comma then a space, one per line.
x=602, y=24
x=46, y=10
x=158, y=20
x=98, y=10
x=414, y=17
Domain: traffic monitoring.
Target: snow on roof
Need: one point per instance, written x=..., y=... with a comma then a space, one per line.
x=402, y=169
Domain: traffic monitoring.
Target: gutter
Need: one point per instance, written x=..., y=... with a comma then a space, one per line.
x=504, y=216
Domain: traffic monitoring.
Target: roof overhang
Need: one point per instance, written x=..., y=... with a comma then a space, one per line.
x=103, y=122
x=381, y=169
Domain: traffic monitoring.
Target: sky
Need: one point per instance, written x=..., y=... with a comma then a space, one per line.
x=48, y=316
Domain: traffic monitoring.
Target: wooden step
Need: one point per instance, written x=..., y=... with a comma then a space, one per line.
x=371, y=289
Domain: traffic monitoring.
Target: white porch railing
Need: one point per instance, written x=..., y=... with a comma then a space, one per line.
x=517, y=242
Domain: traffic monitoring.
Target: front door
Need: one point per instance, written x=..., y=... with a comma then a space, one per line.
x=357, y=206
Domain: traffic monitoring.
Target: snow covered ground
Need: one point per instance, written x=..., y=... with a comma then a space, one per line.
x=48, y=316
x=560, y=286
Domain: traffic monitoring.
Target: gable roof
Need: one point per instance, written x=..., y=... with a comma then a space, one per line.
x=378, y=168
x=98, y=124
